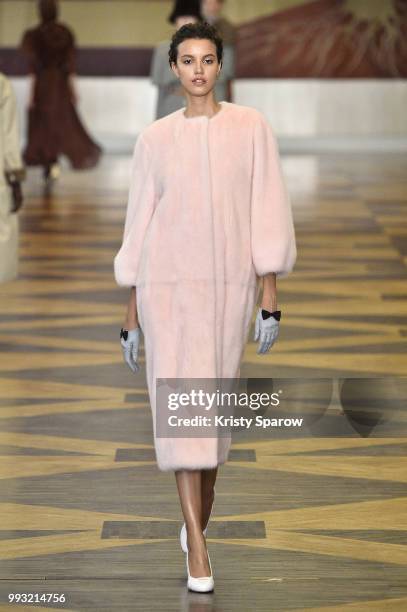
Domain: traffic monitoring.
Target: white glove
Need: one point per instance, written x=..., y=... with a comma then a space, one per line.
x=130, y=348
x=267, y=330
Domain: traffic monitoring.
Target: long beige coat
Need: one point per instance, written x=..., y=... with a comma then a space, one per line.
x=208, y=213
x=10, y=160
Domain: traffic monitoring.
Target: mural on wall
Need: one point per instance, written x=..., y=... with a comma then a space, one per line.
x=310, y=39
x=327, y=39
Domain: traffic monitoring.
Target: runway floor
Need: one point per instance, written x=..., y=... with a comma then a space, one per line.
x=312, y=521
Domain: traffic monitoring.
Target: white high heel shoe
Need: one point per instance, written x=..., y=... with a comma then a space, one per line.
x=202, y=584
x=183, y=532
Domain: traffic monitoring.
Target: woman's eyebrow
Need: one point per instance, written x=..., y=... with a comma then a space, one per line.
x=206, y=55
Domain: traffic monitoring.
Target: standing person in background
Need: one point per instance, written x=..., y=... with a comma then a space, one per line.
x=54, y=126
x=212, y=14
x=170, y=92
x=11, y=174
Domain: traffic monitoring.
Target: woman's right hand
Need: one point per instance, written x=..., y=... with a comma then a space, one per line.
x=16, y=197
x=130, y=346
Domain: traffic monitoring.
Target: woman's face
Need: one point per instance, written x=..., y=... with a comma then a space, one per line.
x=211, y=8
x=197, y=65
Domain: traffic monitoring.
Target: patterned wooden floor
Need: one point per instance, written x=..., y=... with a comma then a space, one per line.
x=303, y=522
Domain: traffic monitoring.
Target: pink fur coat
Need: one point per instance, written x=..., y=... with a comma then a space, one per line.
x=208, y=213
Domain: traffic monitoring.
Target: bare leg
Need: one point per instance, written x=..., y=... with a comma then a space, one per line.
x=51, y=172
x=189, y=483
x=207, y=493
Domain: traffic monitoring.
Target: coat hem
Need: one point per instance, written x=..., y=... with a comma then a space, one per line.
x=194, y=281
x=197, y=466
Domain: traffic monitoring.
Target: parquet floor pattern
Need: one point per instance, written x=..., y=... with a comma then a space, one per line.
x=303, y=523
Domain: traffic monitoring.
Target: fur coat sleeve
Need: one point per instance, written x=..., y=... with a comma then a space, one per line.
x=272, y=228
x=140, y=208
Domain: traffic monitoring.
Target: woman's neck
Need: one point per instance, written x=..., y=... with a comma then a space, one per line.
x=201, y=105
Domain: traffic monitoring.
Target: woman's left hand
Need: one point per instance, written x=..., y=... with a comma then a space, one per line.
x=266, y=331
